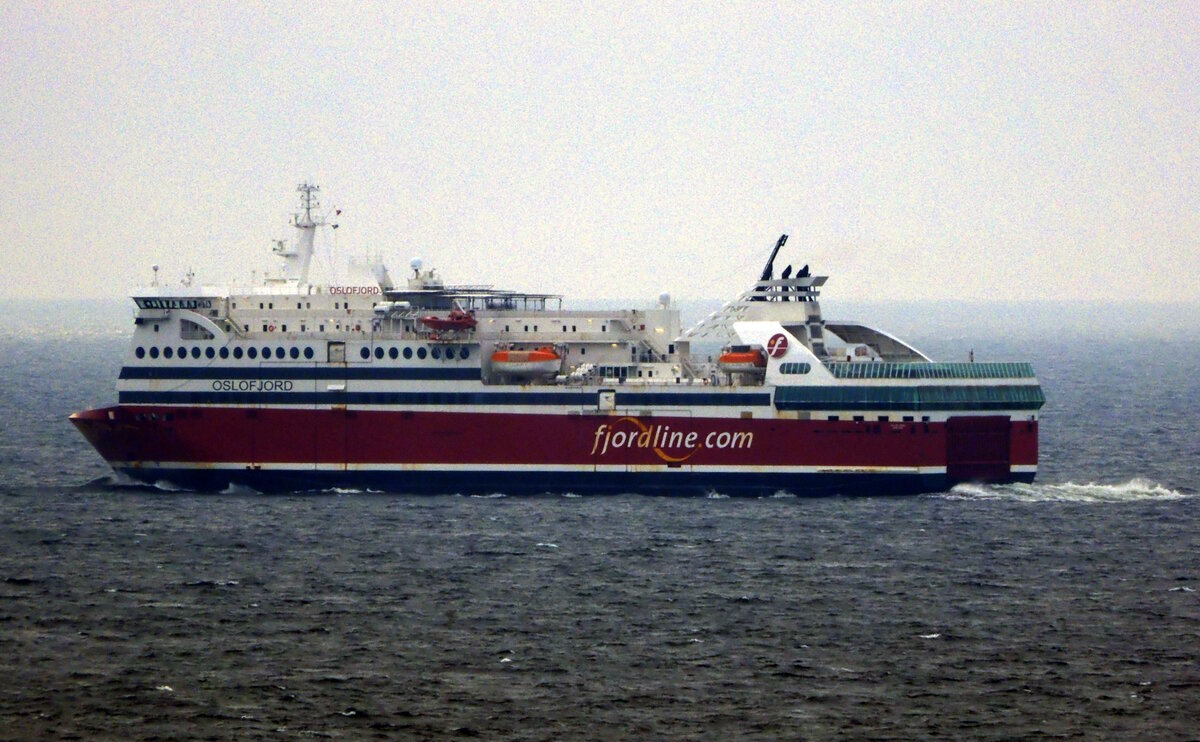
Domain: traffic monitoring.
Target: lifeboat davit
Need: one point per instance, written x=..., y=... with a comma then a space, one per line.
x=743, y=360
x=456, y=321
x=541, y=362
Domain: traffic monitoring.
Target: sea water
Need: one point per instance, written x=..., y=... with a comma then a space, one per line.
x=1066, y=608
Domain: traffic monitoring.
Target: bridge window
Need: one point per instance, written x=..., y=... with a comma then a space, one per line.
x=791, y=368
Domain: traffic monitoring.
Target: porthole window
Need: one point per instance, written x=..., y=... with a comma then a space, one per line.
x=153, y=352
x=168, y=352
x=140, y=352
x=308, y=353
x=436, y=352
x=393, y=353
x=421, y=353
x=252, y=352
x=237, y=352
x=209, y=352
x=195, y=352
x=379, y=352
x=224, y=352
x=182, y=352
x=408, y=353
x=365, y=353
x=266, y=352
x=464, y=353
x=279, y=353
x=294, y=353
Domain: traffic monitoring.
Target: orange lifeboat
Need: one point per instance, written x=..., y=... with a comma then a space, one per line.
x=743, y=359
x=457, y=320
x=541, y=362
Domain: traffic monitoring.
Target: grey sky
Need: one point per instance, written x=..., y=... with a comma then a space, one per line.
x=911, y=150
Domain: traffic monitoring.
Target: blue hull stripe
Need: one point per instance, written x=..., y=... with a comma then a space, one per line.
x=316, y=373
x=579, y=398
x=551, y=482
x=910, y=398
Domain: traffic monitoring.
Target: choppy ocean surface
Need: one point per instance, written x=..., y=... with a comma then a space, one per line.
x=1065, y=609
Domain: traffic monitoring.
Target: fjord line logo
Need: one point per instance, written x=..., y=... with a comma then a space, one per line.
x=660, y=437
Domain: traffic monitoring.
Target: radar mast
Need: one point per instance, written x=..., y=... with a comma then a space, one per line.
x=298, y=257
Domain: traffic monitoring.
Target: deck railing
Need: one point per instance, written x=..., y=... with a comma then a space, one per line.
x=931, y=370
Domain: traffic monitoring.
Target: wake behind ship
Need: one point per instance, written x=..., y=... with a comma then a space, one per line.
x=294, y=385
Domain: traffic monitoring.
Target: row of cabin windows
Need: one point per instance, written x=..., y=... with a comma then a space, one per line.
x=283, y=328
x=280, y=352
x=436, y=352
x=603, y=328
x=299, y=305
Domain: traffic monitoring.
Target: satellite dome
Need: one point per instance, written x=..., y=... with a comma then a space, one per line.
x=664, y=299
x=416, y=264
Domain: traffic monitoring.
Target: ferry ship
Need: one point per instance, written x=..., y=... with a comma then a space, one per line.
x=427, y=387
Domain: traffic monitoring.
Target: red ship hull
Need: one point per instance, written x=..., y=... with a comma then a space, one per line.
x=290, y=449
